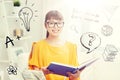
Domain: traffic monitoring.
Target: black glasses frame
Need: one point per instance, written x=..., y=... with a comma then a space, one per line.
x=52, y=24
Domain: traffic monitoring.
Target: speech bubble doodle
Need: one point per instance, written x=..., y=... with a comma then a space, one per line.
x=90, y=41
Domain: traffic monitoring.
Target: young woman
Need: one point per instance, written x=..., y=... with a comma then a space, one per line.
x=53, y=49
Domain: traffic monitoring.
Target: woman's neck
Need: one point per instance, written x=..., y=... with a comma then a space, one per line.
x=54, y=41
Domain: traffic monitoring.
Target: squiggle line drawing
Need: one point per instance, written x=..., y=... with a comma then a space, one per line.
x=107, y=30
x=109, y=11
x=12, y=70
x=84, y=15
x=109, y=53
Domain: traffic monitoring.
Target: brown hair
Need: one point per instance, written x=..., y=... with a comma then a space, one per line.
x=53, y=14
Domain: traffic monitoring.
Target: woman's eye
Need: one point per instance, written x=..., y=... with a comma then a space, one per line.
x=51, y=23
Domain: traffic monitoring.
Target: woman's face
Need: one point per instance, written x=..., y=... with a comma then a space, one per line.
x=54, y=27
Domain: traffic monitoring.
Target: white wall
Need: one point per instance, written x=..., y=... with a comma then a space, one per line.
x=10, y=13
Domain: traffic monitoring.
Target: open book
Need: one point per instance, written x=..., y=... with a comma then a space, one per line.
x=62, y=69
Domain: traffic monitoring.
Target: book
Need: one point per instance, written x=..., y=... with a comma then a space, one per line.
x=62, y=69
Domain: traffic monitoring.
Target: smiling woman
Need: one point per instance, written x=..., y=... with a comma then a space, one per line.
x=52, y=18
x=53, y=49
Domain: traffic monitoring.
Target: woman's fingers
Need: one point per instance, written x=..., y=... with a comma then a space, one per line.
x=46, y=71
x=75, y=75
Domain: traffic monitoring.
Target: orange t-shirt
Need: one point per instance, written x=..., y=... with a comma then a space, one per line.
x=43, y=53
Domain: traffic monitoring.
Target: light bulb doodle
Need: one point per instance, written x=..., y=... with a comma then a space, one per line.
x=90, y=41
x=12, y=70
x=26, y=14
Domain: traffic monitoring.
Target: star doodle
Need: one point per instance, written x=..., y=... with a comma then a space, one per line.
x=12, y=70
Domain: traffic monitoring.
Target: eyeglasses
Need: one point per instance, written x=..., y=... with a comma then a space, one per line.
x=52, y=24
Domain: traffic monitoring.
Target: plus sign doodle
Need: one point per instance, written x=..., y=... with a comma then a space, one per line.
x=12, y=70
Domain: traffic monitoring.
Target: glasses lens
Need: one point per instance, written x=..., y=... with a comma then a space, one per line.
x=60, y=24
x=50, y=24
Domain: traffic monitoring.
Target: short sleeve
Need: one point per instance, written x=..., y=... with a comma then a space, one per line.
x=34, y=58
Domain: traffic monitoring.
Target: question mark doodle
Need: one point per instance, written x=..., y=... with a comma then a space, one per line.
x=91, y=40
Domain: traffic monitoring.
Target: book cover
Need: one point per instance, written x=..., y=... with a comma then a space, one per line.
x=62, y=69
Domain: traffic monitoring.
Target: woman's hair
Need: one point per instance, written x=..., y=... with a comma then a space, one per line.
x=53, y=14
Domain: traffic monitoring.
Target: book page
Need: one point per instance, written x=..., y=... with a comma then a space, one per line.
x=87, y=63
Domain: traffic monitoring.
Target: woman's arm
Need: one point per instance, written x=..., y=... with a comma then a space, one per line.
x=44, y=69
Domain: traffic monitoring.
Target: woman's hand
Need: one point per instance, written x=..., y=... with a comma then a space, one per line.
x=76, y=75
x=46, y=71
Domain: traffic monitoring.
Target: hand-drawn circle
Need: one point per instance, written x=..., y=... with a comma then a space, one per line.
x=107, y=30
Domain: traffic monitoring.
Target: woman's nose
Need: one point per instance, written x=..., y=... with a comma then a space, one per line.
x=55, y=26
